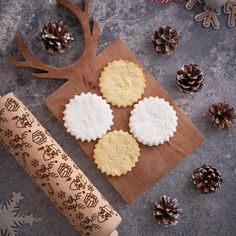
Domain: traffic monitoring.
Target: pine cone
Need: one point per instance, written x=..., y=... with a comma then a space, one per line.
x=55, y=36
x=167, y=211
x=222, y=115
x=207, y=179
x=165, y=40
x=189, y=78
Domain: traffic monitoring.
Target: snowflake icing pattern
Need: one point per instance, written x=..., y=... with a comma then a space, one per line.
x=10, y=219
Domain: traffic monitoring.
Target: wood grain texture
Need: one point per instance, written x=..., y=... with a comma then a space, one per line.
x=83, y=76
x=154, y=162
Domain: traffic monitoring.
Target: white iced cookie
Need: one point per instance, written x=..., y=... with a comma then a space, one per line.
x=153, y=121
x=87, y=117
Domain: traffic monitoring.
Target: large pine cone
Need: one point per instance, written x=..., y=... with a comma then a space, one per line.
x=189, y=78
x=206, y=179
x=167, y=211
x=165, y=40
x=55, y=36
x=222, y=115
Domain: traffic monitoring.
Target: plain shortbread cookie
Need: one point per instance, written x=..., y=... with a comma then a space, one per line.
x=122, y=83
x=87, y=117
x=116, y=153
x=153, y=121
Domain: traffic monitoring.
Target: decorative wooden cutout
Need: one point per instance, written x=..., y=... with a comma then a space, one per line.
x=209, y=17
x=230, y=8
x=191, y=3
x=11, y=219
x=83, y=76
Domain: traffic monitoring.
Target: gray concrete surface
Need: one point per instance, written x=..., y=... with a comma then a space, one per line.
x=133, y=22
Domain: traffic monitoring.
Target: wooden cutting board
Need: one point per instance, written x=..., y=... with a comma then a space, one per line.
x=83, y=76
x=154, y=162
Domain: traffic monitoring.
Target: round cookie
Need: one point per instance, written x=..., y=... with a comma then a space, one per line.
x=122, y=83
x=153, y=121
x=87, y=117
x=116, y=153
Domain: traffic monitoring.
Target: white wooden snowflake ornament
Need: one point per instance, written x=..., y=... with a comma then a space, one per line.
x=11, y=219
x=212, y=9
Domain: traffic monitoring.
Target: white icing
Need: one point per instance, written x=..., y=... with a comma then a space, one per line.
x=153, y=121
x=87, y=117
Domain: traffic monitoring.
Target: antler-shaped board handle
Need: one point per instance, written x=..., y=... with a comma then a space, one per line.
x=73, y=71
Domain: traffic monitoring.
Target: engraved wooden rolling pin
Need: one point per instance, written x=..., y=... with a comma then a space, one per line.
x=54, y=171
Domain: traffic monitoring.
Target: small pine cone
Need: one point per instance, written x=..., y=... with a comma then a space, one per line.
x=167, y=211
x=55, y=36
x=222, y=115
x=189, y=78
x=207, y=179
x=165, y=40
